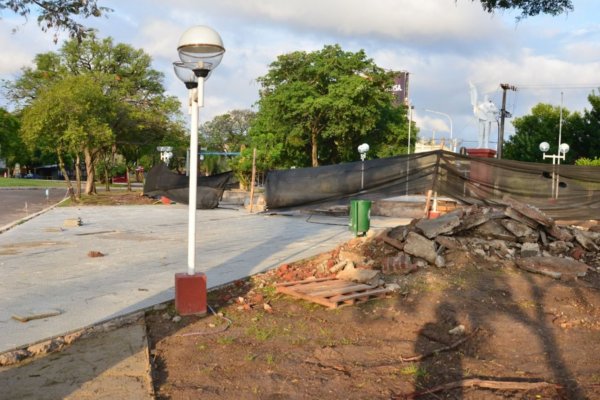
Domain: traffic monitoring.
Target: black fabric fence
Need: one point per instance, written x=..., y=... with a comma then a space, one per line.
x=161, y=181
x=561, y=191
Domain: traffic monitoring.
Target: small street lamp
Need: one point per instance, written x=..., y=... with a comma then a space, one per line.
x=449, y=119
x=200, y=50
x=362, y=150
x=563, y=148
x=165, y=153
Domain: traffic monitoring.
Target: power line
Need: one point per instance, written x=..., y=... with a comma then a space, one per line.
x=558, y=86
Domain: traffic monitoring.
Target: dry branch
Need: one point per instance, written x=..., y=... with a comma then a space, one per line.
x=480, y=383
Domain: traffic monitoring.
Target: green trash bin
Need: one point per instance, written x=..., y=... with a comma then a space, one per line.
x=360, y=216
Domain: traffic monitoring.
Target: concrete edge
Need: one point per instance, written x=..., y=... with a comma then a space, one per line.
x=27, y=218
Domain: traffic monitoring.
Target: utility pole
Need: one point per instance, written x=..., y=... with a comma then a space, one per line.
x=503, y=115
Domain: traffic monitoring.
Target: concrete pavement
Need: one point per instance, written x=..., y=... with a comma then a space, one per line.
x=45, y=266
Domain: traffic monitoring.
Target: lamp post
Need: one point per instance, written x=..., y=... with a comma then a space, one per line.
x=165, y=153
x=362, y=150
x=449, y=119
x=200, y=50
x=563, y=148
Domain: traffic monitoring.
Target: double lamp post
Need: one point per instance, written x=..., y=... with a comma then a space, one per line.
x=200, y=51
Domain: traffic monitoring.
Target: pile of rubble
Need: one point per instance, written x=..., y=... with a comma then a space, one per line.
x=517, y=234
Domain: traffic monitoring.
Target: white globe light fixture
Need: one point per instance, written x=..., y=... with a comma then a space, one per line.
x=564, y=148
x=544, y=147
x=200, y=50
x=362, y=150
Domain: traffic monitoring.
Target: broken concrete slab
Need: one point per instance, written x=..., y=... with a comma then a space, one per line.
x=585, y=239
x=517, y=216
x=529, y=211
x=492, y=229
x=559, y=233
x=448, y=242
x=554, y=267
x=474, y=219
x=367, y=276
x=530, y=250
x=523, y=232
x=421, y=247
x=438, y=226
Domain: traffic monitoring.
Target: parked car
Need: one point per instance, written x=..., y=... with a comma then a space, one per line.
x=119, y=179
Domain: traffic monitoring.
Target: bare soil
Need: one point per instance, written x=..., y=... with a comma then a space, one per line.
x=520, y=329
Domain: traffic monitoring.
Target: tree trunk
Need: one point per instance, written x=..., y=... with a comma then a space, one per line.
x=314, y=153
x=61, y=166
x=78, y=176
x=106, y=178
x=90, y=185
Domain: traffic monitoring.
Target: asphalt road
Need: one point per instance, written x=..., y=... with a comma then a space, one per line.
x=20, y=203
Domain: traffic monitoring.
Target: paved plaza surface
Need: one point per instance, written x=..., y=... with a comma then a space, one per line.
x=46, y=266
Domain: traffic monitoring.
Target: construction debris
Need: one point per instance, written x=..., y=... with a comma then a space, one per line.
x=332, y=292
x=519, y=235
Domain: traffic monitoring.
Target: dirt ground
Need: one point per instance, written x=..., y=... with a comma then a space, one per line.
x=475, y=329
x=485, y=330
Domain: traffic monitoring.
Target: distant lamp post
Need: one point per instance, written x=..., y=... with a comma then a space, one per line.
x=165, y=154
x=449, y=119
x=362, y=150
x=200, y=50
x=563, y=149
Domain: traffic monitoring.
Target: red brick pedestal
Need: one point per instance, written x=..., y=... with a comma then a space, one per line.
x=190, y=293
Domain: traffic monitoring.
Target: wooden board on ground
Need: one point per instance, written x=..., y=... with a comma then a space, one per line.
x=331, y=292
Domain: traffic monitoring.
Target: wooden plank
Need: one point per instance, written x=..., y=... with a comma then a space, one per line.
x=341, y=290
x=304, y=281
x=331, y=292
x=358, y=295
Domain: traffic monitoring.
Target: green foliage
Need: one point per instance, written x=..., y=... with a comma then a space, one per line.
x=227, y=132
x=529, y=8
x=57, y=14
x=69, y=115
x=316, y=108
x=579, y=131
x=141, y=116
x=12, y=149
x=588, y=162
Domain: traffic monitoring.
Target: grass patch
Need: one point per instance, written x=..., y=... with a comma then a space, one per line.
x=225, y=340
x=261, y=333
x=414, y=371
x=43, y=183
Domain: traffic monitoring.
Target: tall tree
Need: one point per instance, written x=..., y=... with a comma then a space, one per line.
x=316, y=108
x=542, y=125
x=529, y=8
x=57, y=14
x=71, y=116
x=144, y=116
x=581, y=131
x=12, y=149
x=227, y=132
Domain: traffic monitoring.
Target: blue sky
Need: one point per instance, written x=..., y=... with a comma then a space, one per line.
x=444, y=44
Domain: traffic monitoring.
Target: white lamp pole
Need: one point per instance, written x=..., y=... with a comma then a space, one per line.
x=362, y=150
x=449, y=119
x=200, y=49
x=563, y=148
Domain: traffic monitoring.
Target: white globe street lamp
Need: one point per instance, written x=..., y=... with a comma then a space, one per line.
x=200, y=50
x=563, y=149
x=362, y=150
